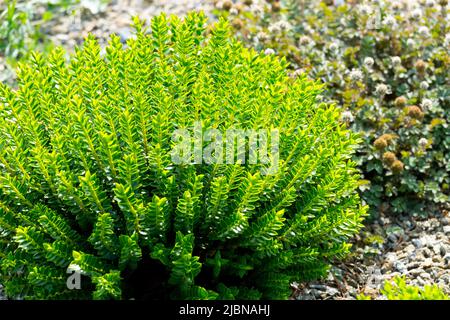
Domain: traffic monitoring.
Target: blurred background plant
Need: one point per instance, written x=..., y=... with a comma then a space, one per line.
x=23, y=24
x=386, y=64
x=398, y=289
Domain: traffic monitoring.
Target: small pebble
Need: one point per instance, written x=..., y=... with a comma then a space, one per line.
x=446, y=229
x=400, y=266
x=415, y=272
x=425, y=275
x=417, y=243
x=332, y=291
x=413, y=265
x=427, y=263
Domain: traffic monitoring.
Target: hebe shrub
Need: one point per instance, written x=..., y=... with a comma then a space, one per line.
x=88, y=183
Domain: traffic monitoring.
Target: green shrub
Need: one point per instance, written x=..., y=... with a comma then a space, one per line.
x=397, y=289
x=88, y=182
x=388, y=69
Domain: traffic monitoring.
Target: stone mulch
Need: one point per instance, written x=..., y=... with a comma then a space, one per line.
x=415, y=247
x=117, y=18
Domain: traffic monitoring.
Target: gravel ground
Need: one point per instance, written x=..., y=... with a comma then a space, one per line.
x=69, y=32
x=418, y=248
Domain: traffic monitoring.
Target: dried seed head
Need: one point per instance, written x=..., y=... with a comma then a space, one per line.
x=397, y=166
x=415, y=112
x=248, y=2
x=227, y=5
x=380, y=143
x=276, y=7
x=388, y=137
x=237, y=24
x=420, y=66
x=239, y=7
x=389, y=158
x=400, y=102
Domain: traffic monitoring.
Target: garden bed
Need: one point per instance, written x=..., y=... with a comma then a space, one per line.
x=408, y=231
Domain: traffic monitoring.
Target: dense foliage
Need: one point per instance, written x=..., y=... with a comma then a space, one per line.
x=87, y=181
x=388, y=68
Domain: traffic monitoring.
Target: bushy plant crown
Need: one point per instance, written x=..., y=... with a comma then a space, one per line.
x=87, y=180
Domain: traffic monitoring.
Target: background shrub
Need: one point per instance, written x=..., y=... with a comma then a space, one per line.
x=87, y=180
x=387, y=68
x=21, y=23
x=24, y=27
x=397, y=289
